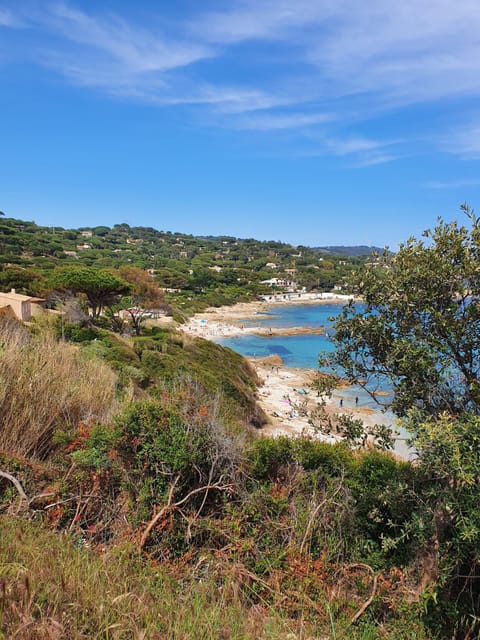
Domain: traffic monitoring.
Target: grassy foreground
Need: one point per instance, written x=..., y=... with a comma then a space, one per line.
x=52, y=588
x=151, y=510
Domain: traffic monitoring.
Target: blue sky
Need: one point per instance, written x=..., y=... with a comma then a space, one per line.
x=308, y=121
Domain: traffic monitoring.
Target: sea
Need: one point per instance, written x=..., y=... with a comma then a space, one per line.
x=302, y=351
x=299, y=351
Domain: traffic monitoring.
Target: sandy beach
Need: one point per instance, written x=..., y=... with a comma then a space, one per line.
x=287, y=398
x=285, y=395
x=228, y=321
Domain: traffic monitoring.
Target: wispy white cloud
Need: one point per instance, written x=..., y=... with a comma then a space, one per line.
x=137, y=48
x=353, y=145
x=366, y=152
x=276, y=121
x=452, y=184
x=463, y=141
x=372, y=159
x=357, y=151
x=339, y=61
x=109, y=53
x=401, y=52
x=235, y=100
x=261, y=19
x=8, y=19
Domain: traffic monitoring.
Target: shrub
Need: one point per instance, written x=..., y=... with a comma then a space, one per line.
x=268, y=455
x=78, y=333
x=161, y=447
x=46, y=385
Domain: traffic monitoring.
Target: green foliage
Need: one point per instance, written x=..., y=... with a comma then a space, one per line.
x=386, y=509
x=161, y=449
x=420, y=330
x=100, y=287
x=157, y=442
x=449, y=461
x=268, y=455
x=78, y=333
x=220, y=372
x=421, y=326
x=95, y=452
x=201, y=271
x=23, y=280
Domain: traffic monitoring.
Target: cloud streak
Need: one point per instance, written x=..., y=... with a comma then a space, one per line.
x=8, y=19
x=107, y=52
x=405, y=52
x=452, y=184
x=137, y=49
x=278, y=121
x=329, y=62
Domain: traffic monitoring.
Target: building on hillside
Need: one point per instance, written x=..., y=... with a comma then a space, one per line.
x=24, y=307
x=281, y=283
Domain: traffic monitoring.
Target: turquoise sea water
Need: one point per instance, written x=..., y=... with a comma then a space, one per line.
x=301, y=351
x=296, y=351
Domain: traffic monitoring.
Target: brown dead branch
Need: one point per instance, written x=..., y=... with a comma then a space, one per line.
x=171, y=506
x=41, y=496
x=368, y=602
x=16, y=484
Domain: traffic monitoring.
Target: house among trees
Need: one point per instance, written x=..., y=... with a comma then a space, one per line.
x=22, y=307
x=282, y=283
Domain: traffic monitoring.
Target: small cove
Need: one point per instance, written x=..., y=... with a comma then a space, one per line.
x=302, y=351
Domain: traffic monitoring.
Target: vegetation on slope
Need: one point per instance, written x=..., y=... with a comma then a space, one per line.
x=196, y=271
x=46, y=385
x=178, y=521
x=420, y=330
x=287, y=534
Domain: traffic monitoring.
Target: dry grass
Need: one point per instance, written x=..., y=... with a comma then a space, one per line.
x=45, y=385
x=53, y=590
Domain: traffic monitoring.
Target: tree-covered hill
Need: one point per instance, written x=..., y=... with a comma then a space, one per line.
x=177, y=260
x=355, y=251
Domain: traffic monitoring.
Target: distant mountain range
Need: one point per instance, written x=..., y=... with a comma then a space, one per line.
x=360, y=250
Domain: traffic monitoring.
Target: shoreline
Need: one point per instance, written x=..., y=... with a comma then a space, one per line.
x=285, y=395
x=287, y=399
x=228, y=321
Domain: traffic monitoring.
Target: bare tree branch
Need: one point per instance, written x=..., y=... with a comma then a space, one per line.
x=16, y=483
x=169, y=506
x=368, y=602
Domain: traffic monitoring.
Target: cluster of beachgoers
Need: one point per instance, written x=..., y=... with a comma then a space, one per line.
x=286, y=394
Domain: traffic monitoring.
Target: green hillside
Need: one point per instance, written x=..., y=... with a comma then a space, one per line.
x=203, y=270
